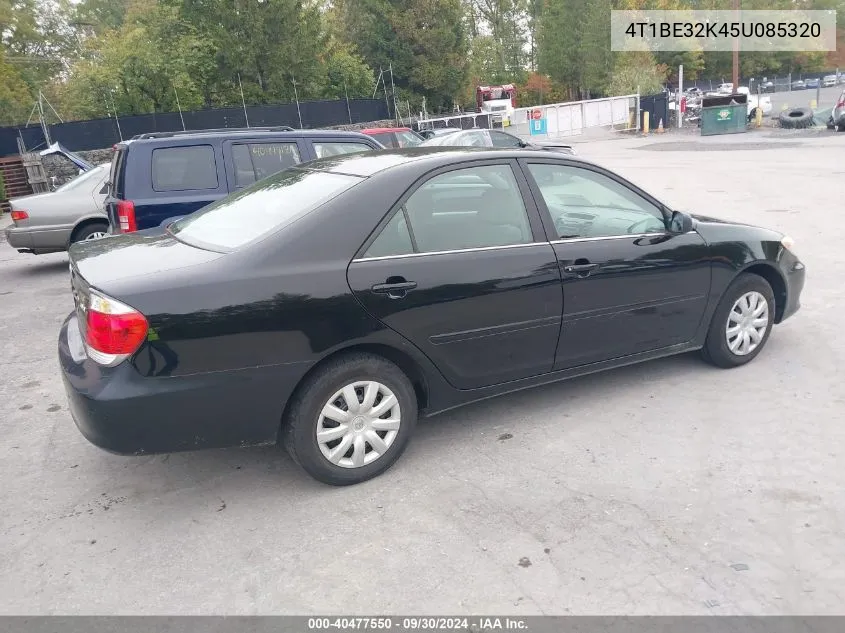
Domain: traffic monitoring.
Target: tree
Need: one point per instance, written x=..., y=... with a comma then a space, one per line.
x=504, y=26
x=424, y=41
x=574, y=44
x=126, y=66
x=16, y=99
x=637, y=71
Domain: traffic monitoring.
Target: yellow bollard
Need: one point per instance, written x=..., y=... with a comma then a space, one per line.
x=812, y=104
x=784, y=107
x=758, y=115
x=645, y=123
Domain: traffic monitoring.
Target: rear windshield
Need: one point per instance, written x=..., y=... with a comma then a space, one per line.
x=260, y=208
x=85, y=177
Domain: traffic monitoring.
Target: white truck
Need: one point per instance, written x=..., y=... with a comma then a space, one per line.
x=764, y=102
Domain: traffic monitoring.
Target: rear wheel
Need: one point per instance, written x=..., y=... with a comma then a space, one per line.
x=742, y=322
x=89, y=232
x=351, y=420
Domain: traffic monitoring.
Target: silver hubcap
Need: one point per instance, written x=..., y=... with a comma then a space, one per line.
x=95, y=236
x=358, y=424
x=747, y=323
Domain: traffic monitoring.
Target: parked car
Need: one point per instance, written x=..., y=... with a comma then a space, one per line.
x=158, y=177
x=726, y=89
x=394, y=137
x=837, y=114
x=329, y=306
x=828, y=81
x=811, y=83
x=493, y=138
x=767, y=86
x=440, y=131
x=797, y=85
x=50, y=222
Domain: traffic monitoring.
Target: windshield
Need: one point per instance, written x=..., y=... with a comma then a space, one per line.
x=86, y=177
x=260, y=208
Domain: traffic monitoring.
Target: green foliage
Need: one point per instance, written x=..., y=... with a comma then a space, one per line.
x=637, y=71
x=423, y=41
x=2, y=188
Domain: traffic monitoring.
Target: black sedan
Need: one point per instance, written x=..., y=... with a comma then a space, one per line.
x=331, y=305
x=480, y=137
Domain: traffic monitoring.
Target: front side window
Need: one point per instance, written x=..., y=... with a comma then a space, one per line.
x=584, y=204
x=336, y=148
x=260, y=209
x=184, y=168
x=475, y=207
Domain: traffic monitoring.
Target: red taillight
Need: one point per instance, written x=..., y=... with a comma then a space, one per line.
x=126, y=216
x=113, y=329
x=841, y=103
x=19, y=215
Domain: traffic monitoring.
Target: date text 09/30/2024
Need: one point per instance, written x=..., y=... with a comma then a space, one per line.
x=418, y=623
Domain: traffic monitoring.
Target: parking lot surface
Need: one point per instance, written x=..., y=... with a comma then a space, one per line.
x=665, y=488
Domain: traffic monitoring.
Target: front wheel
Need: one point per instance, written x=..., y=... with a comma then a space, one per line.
x=741, y=323
x=351, y=420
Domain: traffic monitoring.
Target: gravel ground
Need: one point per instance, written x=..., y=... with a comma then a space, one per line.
x=667, y=488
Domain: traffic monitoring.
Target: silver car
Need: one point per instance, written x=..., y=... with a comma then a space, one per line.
x=50, y=222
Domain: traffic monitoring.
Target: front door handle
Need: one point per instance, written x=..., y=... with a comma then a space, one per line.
x=395, y=288
x=582, y=270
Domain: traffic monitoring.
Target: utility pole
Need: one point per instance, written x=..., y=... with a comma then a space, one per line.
x=736, y=54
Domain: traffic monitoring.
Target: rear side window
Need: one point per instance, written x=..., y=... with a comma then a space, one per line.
x=336, y=148
x=254, y=161
x=261, y=208
x=184, y=168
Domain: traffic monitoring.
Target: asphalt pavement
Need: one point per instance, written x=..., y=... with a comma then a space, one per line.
x=825, y=98
x=666, y=488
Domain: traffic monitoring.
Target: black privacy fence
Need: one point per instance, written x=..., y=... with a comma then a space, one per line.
x=103, y=133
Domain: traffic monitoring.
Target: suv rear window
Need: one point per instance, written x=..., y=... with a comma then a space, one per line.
x=184, y=168
x=261, y=208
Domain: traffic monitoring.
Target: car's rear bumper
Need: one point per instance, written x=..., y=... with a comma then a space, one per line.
x=33, y=239
x=123, y=412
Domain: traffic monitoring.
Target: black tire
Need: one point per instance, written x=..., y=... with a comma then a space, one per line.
x=840, y=125
x=299, y=430
x=716, y=350
x=796, y=118
x=84, y=232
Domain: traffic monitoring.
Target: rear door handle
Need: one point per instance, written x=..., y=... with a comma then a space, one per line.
x=580, y=268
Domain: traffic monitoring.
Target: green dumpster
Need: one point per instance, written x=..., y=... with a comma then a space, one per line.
x=724, y=114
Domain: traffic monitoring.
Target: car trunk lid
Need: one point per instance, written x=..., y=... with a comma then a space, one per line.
x=104, y=264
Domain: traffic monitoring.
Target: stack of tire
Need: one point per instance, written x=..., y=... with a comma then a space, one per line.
x=796, y=118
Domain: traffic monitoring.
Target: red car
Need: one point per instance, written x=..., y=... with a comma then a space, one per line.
x=394, y=136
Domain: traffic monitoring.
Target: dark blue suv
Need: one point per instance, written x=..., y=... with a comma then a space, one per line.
x=161, y=176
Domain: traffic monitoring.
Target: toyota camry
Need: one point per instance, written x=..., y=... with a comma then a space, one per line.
x=331, y=305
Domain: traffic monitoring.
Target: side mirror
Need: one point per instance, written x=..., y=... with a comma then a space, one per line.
x=680, y=223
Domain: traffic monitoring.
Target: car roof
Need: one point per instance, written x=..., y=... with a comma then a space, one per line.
x=383, y=130
x=367, y=164
x=177, y=138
